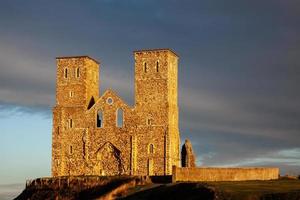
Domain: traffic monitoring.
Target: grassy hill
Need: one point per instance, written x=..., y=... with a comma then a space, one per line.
x=246, y=190
x=133, y=188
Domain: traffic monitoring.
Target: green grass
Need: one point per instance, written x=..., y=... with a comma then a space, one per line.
x=258, y=189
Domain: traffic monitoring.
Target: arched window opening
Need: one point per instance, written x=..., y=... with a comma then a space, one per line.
x=77, y=72
x=120, y=117
x=145, y=67
x=100, y=119
x=157, y=66
x=151, y=148
x=66, y=73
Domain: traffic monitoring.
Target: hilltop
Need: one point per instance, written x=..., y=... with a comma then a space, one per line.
x=132, y=188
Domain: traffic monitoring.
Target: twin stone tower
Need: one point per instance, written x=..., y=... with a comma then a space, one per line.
x=102, y=135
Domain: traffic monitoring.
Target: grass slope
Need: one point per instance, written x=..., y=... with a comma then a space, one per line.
x=244, y=190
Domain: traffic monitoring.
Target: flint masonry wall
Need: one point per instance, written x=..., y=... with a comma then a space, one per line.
x=146, y=142
x=156, y=100
x=223, y=174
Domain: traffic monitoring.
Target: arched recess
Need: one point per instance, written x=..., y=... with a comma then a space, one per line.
x=151, y=149
x=150, y=167
x=77, y=72
x=109, y=161
x=120, y=117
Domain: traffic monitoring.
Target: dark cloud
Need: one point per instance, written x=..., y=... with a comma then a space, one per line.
x=238, y=75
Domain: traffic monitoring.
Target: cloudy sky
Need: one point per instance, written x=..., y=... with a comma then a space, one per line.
x=239, y=73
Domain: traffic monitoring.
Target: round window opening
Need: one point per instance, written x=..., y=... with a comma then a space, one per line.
x=109, y=100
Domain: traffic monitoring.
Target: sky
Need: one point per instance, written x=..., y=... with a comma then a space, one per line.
x=239, y=73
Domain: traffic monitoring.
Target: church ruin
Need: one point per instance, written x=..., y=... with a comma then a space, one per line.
x=102, y=135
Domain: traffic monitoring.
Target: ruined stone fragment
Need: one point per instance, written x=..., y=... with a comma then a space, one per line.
x=187, y=155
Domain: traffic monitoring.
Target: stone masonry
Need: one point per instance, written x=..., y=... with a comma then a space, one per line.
x=187, y=155
x=205, y=174
x=102, y=135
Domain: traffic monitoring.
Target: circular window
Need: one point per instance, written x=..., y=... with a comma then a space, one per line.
x=109, y=100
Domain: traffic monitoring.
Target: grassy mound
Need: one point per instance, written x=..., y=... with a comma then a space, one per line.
x=134, y=188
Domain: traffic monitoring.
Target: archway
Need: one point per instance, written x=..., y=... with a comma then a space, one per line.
x=109, y=160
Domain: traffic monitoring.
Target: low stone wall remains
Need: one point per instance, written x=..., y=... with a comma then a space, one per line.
x=223, y=174
x=81, y=182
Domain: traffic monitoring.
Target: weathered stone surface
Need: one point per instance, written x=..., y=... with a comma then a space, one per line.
x=187, y=155
x=145, y=141
x=223, y=174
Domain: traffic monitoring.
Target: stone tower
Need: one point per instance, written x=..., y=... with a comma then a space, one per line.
x=78, y=78
x=77, y=87
x=156, y=100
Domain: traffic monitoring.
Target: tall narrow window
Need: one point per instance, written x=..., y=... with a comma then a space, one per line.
x=120, y=117
x=157, y=66
x=99, y=119
x=151, y=148
x=70, y=123
x=77, y=72
x=66, y=73
x=83, y=144
x=145, y=67
x=71, y=149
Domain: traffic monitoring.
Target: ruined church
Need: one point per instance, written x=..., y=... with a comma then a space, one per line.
x=102, y=135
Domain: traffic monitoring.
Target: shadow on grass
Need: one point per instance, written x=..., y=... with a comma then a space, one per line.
x=176, y=191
